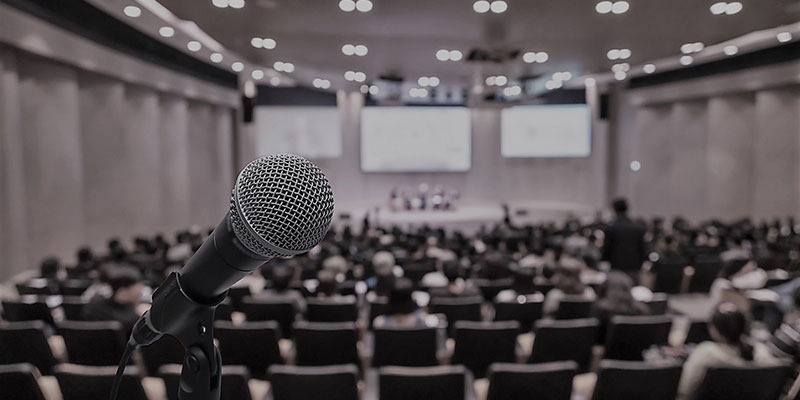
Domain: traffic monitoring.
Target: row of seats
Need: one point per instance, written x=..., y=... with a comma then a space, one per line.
x=616, y=380
x=256, y=344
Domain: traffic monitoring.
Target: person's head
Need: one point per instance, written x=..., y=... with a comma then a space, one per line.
x=85, y=255
x=451, y=270
x=336, y=264
x=616, y=283
x=523, y=280
x=281, y=277
x=383, y=262
x=495, y=265
x=126, y=285
x=729, y=325
x=568, y=277
x=49, y=268
x=620, y=206
x=400, y=298
x=328, y=286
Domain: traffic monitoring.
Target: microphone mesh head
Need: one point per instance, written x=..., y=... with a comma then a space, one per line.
x=281, y=205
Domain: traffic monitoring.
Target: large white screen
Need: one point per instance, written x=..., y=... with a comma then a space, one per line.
x=313, y=132
x=546, y=131
x=415, y=139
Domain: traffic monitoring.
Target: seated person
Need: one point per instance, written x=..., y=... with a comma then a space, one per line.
x=730, y=346
x=785, y=342
x=615, y=298
x=328, y=286
x=123, y=305
x=403, y=311
x=567, y=281
x=282, y=276
x=456, y=285
x=383, y=262
x=521, y=286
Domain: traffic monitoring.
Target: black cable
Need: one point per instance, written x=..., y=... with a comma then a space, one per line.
x=123, y=362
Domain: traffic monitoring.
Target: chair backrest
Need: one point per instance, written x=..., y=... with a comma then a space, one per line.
x=413, y=347
x=574, y=307
x=378, y=306
x=73, y=307
x=526, y=312
x=338, y=382
x=658, y=304
x=479, y=344
x=564, y=341
x=74, y=287
x=706, y=270
x=93, y=342
x=80, y=382
x=166, y=350
x=237, y=294
x=447, y=382
x=669, y=276
x=19, y=382
x=548, y=381
x=326, y=343
x=491, y=287
x=457, y=309
x=337, y=309
x=234, y=385
x=25, y=342
x=629, y=336
x=698, y=332
x=635, y=380
x=37, y=287
x=279, y=309
x=743, y=383
x=28, y=308
x=253, y=344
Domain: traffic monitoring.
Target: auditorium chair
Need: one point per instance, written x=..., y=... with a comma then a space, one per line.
x=326, y=343
x=543, y=285
x=491, y=287
x=378, y=306
x=279, y=309
x=526, y=310
x=80, y=382
x=706, y=270
x=37, y=287
x=166, y=350
x=335, y=309
x=348, y=288
x=574, y=307
x=20, y=382
x=564, y=341
x=629, y=336
x=416, y=270
x=73, y=307
x=413, y=347
x=238, y=293
x=698, y=332
x=27, y=308
x=93, y=342
x=457, y=309
x=744, y=383
x=479, y=344
x=74, y=287
x=252, y=344
x=636, y=380
x=548, y=381
x=337, y=382
x=235, y=382
x=658, y=304
x=25, y=342
x=668, y=275
x=447, y=382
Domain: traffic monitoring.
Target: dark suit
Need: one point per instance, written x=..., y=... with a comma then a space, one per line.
x=624, y=245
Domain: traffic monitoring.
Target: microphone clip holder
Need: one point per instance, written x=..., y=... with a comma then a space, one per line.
x=175, y=313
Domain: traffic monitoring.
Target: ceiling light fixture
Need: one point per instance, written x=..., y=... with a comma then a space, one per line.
x=347, y=5
x=687, y=60
x=166, y=31
x=449, y=55
x=498, y=6
x=257, y=74
x=617, y=7
x=220, y=3
x=534, y=57
x=132, y=11
x=364, y=5
x=784, y=37
x=194, y=45
x=730, y=50
x=620, y=75
x=649, y=68
x=236, y=3
x=481, y=6
x=237, y=66
x=215, y=57
x=589, y=82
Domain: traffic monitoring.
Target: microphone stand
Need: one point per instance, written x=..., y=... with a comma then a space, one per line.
x=192, y=324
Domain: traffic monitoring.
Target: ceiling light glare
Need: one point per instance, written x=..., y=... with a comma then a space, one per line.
x=257, y=42
x=364, y=89
x=347, y=5
x=624, y=67
x=443, y=55
x=490, y=81
x=499, y=6
x=542, y=57
x=288, y=67
x=360, y=77
x=422, y=81
x=719, y=8
x=604, y=7
x=649, y=68
x=784, y=37
x=257, y=74
x=268, y=43
x=730, y=50
x=589, y=82
x=194, y=45
x=373, y=90
x=350, y=75
x=620, y=7
x=481, y=6
x=500, y=80
x=220, y=3
x=733, y=8
x=237, y=66
x=275, y=81
x=215, y=57
x=635, y=166
x=624, y=54
x=132, y=11
x=361, y=50
x=166, y=31
x=687, y=60
x=433, y=81
x=455, y=55
x=349, y=49
x=236, y=3
x=364, y=5
x=620, y=75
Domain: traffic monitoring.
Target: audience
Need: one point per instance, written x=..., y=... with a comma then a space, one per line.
x=567, y=282
x=126, y=296
x=457, y=286
x=281, y=277
x=403, y=311
x=383, y=263
x=615, y=298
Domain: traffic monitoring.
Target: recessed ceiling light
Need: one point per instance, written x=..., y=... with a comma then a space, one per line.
x=481, y=6
x=542, y=57
x=624, y=67
x=194, y=45
x=784, y=37
x=455, y=55
x=363, y=5
x=699, y=46
x=550, y=85
x=443, y=55
x=215, y=57
x=529, y=57
x=730, y=50
x=373, y=90
x=620, y=75
x=364, y=89
x=613, y=54
x=433, y=81
x=604, y=7
x=733, y=8
x=166, y=31
x=589, y=82
x=347, y=5
x=636, y=166
x=624, y=54
x=422, y=81
x=687, y=60
x=498, y=6
x=236, y=3
x=220, y=3
x=269, y=43
x=257, y=42
x=349, y=49
x=237, y=66
x=360, y=77
x=719, y=8
x=283, y=66
x=257, y=74
x=620, y=7
x=512, y=91
x=361, y=50
x=649, y=68
x=275, y=81
x=490, y=81
x=500, y=80
x=132, y=11
x=349, y=75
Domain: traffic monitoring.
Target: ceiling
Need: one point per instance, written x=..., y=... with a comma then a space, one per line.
x=404, y=35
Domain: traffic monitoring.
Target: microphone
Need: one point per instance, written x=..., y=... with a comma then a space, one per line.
x=281, y=205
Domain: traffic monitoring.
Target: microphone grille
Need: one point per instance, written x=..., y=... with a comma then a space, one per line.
x=281, y=205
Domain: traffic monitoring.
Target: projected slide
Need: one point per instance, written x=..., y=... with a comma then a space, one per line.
x=546, y=131
x=313, y=132
x=415, y=139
